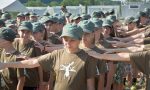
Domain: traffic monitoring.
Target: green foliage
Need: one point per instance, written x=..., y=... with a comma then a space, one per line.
x=35, y=3
x=54, y=3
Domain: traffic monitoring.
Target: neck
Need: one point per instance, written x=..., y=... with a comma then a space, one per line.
x=24, y=41
x=10, y=49
x=89, y=45
x=72, y=51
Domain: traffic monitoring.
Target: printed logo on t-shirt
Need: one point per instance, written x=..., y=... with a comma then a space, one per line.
x=67, y=69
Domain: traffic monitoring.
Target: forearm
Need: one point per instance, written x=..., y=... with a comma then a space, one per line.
x=40, y=71
x=111, y=57
x=50, y=49
x=115, y=57
x=30, y=63
x=137, y=41
x=130, y=38
x=91, y=84
x=21, y=81
x=135, y=31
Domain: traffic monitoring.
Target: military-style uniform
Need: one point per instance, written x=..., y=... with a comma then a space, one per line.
x=10, y=75
x=55, y=38
x=142, y=61
x=32, y=75
x=72, y=70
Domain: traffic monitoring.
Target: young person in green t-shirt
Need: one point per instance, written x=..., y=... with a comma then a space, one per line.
x=88, y=42
x=13, y=78
x=73, y=67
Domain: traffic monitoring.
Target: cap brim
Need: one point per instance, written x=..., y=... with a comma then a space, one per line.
x=24, y=28
x=70, y=35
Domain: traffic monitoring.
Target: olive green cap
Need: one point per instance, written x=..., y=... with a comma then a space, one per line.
x=95, y=14
x=10, y=22
x=26, y=13
x=87, y=26
x=68, y=14
x=107, y=22
x=61, y=19
x=37, y=27
x=54, y=19
x=97, y=22
x=7, y=34
x=129, y=20
x=74, y=17
x=6, y=16
x=72, y=30
x=2, y=23
x=85, y=17
x=45, y=19
x=20, y=15
x=33, y=14
x=113, y=18
x=25, y=25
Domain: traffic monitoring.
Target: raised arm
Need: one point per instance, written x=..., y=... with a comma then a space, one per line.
x=30, y=63
x=130, y=38
x=111, y=57
x=128, y=49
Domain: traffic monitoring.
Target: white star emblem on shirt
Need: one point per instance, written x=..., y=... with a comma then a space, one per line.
x=67, y=68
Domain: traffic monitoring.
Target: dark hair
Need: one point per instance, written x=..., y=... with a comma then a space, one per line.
x=45, y=34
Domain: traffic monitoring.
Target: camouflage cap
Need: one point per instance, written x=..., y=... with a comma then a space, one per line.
x=7, y=34
x=38, y=27
x=87, y=26
x=25, y=25
x=72, y=30
x=97, y=22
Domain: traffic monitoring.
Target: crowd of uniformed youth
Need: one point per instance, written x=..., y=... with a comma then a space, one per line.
x=33, y=36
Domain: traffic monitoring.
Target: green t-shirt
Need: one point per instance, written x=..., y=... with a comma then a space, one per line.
x=142, y=61
x=32, y=75
x=146, y=47
x=101, y=65
x=72, y=70
x=146, y=40
x=10, y=75
x=55, y=38
x=147, y=33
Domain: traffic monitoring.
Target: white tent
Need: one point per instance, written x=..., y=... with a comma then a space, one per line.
x=12, y=6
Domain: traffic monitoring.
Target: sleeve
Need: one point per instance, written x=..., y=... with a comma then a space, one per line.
x=147, y=33
x=91, y=67
x=146, y=47
x=47, y=61
x=146, y=40
x=20, y=71
x=102, y=67
x=141, y=60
